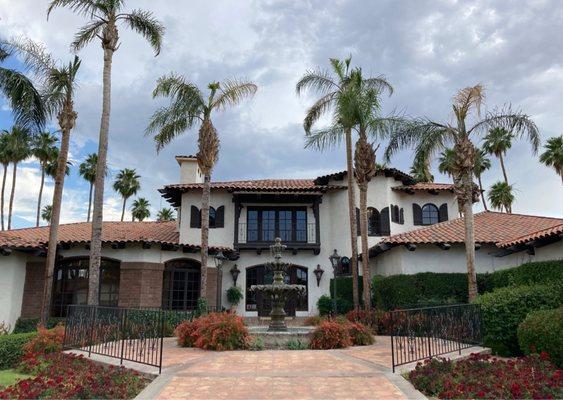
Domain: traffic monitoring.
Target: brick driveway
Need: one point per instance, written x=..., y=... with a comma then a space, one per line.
x=354, y=373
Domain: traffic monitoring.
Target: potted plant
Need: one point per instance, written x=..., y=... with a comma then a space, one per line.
x=234, y=296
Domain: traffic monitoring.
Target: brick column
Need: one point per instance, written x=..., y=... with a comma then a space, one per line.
x=140, y=284
x=33, y=289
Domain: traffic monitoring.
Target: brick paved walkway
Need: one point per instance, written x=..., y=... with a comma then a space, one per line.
x=354, y=373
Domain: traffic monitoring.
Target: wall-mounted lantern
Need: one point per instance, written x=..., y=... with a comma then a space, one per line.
x=234, y=273
x=318, y=274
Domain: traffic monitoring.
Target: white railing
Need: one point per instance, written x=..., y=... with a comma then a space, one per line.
x=311, y=233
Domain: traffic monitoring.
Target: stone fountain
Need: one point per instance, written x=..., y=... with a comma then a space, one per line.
x=278, y=291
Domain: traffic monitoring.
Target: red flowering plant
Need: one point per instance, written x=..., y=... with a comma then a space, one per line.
x=215, y=331
x=330, y=334
x=360, y=334
x=486, y=377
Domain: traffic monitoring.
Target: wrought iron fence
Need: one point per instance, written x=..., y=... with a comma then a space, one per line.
x=420, y=333
x=131, y=334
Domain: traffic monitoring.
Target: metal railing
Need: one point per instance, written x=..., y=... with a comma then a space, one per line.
x=309, y=236
x=421, y=333
x=131, y=334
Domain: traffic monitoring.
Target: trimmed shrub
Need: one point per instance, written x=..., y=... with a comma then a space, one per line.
x=544, y=272
x=313, y=320
x=367, y=318
x=360, y=334
x=184, y=333
x=24, y=325
x=344, y=288
x=542, y=331
x=504, y=309
x=325, y=305
x=215, y=331
x=46, y=341
x=330, y=335
x=11, y=348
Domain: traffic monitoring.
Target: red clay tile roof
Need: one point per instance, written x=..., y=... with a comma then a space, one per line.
x=113, y=232
x=392, y=172
x=490, y=227
x=541, y=234
x=425, y=186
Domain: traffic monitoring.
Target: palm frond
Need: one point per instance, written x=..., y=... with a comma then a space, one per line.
x=340, y=67
x=323, y=139
x=35, y=55
x=467, y=98
x=24, y=99
x=232, y=92
x=317, y=110
x=87, y=8
x=147, y=25
x=86, y=34
x=379, y=84
x=175, y=86
x=319, y=80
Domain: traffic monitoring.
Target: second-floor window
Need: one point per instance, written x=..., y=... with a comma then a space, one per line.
x=265, y=224
x=216, y=217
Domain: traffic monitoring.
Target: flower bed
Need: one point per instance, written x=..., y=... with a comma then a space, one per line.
x=486, y=377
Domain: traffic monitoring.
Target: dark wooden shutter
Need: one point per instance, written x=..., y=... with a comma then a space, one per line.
x=416, y=214
x=195, y=219
x=393, y=213
x=384, y=224
x=402, y=216
x=443, y=213
x=358, y=221
x=220, y=217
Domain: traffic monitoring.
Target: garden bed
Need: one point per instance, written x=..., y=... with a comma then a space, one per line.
x=487, y=377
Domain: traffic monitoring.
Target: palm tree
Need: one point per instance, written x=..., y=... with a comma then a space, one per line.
x=19, y=149
x=332, y=88
x=87, y=170
x=5, y=161
x=482, y=163
x=47, y=213
x=166, y=214
x=58, y=84
x=23, y=98
x=188, y=108
x=104, y=17
x=429, y=137
x=52, y=165
x=140, y=209
x=45, y=150
x=497, y=142
x=420, y=171
x=553, y=154
x=446, y=162
x=501, y=196
x=127, y=184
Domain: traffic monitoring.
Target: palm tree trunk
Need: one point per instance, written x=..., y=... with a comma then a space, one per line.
x=40, y=195
x=352, y=216
x=501, y=159
x=469, y=223
x=97, y=216
x=482, y=193
x=205, y=231
x=67, y=118
x=90, y=202
x=123, y=209
x=12, y=193
x=365, y=247
x=5, y=168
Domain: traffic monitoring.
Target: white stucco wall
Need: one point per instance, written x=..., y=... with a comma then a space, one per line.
x=12, y=280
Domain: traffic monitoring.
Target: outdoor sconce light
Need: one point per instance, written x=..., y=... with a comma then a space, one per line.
x=318, y=274
x=219, y=259
x=234, y=273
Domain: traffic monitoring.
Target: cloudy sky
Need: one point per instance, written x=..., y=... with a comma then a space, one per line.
x=426, y=49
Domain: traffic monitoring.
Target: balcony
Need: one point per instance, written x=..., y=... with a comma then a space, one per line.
x=309, y=240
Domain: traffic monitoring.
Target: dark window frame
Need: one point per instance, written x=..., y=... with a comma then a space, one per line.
x=295, y=233
x=435, y=212
x=190, y=288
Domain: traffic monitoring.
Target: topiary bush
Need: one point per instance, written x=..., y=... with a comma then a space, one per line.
x=330, y=335
x=214, y=331
x=505, y=308
x=542, y=331
x=11, y=348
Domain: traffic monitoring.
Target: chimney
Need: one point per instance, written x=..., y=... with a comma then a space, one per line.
x=189, y=170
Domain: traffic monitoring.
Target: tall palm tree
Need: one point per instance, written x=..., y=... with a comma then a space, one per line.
x=482, y=163
x=188, y=108
x=5, y=161
x=19, y=149
x=497, y=142
x=332, y=86
x=52, y=165
x=47, y=213
x=446, y=162
x=140, y=209
x=58, y=85
x=166, y=214
x=429, y=137
x=104, y=17
x=501, y=196
x=553, y=154
x=87, y=170
x=420, y=171
x=45, y=150
x=127, y=183
x=24, y=99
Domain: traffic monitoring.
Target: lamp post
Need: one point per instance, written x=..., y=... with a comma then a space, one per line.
x=219, y=259
x=335, y=262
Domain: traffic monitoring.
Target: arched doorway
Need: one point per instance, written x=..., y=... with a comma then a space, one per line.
x=181, y=284
x=259, y=275
x=70, y=284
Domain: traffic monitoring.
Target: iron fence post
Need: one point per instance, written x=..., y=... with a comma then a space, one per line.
x=161, y=340
x=392, y=346
x=93, y=319
x=122, y=334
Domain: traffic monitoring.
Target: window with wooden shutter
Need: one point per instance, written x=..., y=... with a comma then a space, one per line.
x=195, y=218
x=443, y=213
x=373, y=222
x=402, y=216
x=416, y=214
x=384, y=223
x=220, y=217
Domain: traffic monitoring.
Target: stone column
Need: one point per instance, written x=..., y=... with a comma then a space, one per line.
x=140, y=284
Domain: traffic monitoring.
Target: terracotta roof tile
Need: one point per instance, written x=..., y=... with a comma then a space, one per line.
x=393, y=172
x=490, y=227
x=113, y=232
x=425, y=186
x=541, y=234
x=259, y=184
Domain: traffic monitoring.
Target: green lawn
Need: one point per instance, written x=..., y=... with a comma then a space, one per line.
x=9, y=377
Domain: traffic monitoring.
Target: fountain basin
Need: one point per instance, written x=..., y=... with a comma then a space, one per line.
x=276, y=340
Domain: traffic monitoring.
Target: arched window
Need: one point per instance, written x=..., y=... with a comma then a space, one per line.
x=212, y=217
x=181, y=284
x=70, y=284
x=373, y=222
x=430, y=214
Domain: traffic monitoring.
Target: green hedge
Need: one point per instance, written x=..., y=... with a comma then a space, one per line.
x=11, y=348
x=544, y=272
x=543, y=331
x=505, y=308
x=25, y=325
x=325, y=305
x=344, y=288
